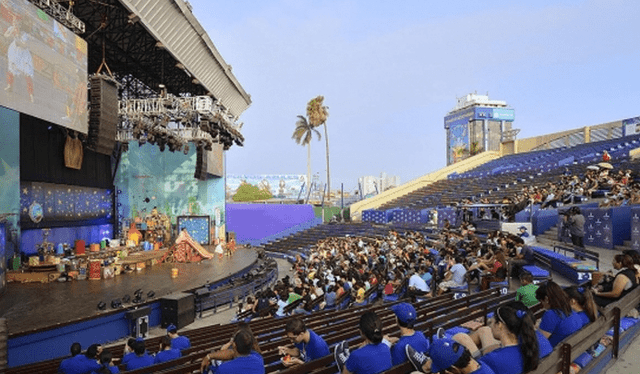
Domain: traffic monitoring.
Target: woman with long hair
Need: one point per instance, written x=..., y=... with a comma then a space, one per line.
x=582, y=303
x=373, y=356
x=623, y=283
x=519, y=352
x=559, y=320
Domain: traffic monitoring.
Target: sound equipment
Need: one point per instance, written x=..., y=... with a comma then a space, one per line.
x=201, y=164
x=177, y=309
x=139, y=317
x=209, y=163
x=103, y=116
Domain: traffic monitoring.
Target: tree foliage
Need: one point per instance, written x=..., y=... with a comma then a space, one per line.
x=249, y=192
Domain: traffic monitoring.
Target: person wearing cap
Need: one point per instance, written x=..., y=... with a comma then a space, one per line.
x=177, y=342
x=523, y=232
x=446, y=356
x=406, y=317
x=308, y=345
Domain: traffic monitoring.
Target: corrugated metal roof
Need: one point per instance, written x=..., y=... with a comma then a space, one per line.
x=173, y=24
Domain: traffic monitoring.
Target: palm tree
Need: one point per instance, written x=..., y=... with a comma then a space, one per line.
x=318, y=114
x=302, y=135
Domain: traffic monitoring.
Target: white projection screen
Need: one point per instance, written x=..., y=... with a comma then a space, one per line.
x=43, y=66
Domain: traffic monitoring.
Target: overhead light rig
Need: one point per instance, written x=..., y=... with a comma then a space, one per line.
x=61, y=14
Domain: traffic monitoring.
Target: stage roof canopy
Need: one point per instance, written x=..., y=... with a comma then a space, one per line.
x=159, y=42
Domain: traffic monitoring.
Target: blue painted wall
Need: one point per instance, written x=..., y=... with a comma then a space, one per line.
x=9, y=184
x=253, y=222
x=148, y=178
x=90, y=234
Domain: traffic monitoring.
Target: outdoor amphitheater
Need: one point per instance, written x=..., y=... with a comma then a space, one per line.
x=119, y=235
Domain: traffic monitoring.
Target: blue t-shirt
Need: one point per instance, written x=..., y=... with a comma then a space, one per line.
x=180, y=343
x=417, y=341
x=316, y=348
x=330, y=298
x=250, y=364
x=112, y=370
x=167, y=355
x=559, y=325
x=370, y=359
x=507, y=360
x=584, y=318
x=484, y=369
x=137, y=362
x=127, y=357
x=79, y=364
x=544, y=347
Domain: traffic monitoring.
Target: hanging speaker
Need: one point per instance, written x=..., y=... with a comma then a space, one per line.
x=103, y=116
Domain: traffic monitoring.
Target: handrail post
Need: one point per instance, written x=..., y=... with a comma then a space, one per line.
x=616, y=332
x=566, y=358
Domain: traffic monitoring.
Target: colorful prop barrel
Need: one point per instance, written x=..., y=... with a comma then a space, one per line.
x=95, y=247
x=80, y=247
x=147, y=246
x=94, y=270
x=156, y=246
x=61, y=267
x=174, y=273
x=103, y=244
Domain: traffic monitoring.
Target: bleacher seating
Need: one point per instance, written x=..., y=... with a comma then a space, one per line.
x=573, y=269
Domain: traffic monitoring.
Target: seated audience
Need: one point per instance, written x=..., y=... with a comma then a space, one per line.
x=623, y=283
x=141, y=358
x=308, y=345
x=446, y=356
x=527, y=292
x=559, y=320
x=177, y=342
x=406, y=317
x=166, y=353
x=106, y=362
x=373, y=356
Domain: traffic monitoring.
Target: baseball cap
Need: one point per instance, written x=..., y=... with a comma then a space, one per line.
x=444, y=353
x=172, y=328
x=405, y=312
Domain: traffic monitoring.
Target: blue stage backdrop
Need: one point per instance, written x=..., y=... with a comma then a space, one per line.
x=606, y=228
x=60, y=235
x=447, y=213
x=198, y=227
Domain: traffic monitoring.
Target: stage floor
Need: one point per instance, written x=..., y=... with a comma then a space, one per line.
x=30, y=306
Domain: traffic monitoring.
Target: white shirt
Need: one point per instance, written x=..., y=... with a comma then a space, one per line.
x=418, y=283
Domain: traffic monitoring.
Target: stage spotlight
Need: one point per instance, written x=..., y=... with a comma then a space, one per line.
x=102, y=305
x=126, y=299
x=186, y=149
x=138, y=292
x=116, y=303
x=150, y=294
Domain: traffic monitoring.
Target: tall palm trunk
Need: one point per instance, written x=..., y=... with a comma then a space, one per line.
x=308, y=184
x=326, y=138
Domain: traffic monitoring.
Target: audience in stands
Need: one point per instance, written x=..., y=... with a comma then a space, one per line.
x=307, y=345
x=559, y=320
x=582, y=303
x=177, y=342
x=446, y=356
x=141, y=358
x=405, y=318
x=625, y=281
x=128, y=351
x=526, y=293
x=246, y=359
x=373, y=355
x=166, y=353
x=106, y=362
x=454, y=275
x=212, y=360
x=81, y=363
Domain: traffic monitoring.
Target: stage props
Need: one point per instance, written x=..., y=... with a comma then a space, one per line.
x=186, y=249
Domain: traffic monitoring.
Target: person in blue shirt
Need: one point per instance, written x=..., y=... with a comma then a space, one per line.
x=519, y=351
x=227, y=352
x=82, y=364
x=65, y=364
x=558, y=321
x=583, y=304
x=406, y=317
x=141, y=358
x=446, y=356
x=128, y=351
x=166, y=353
x=373, y=356
x=246, y=361
x=177, y=342
x=308, y=345
x=106, y=366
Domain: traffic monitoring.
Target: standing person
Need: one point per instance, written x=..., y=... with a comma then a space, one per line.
x=177, y=342
x=406, y=317
x=308, y=345
x=575, y=220
x=372, y=357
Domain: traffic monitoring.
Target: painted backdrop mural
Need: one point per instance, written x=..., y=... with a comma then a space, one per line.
x=10, y=176
x=147, y=178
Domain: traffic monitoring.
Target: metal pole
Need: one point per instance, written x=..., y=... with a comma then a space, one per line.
x=341, y=195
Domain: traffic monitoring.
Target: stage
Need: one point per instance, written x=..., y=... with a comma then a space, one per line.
x=34, y=306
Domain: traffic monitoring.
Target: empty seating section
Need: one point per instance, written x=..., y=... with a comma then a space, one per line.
x=573, y=269
x=503, y=177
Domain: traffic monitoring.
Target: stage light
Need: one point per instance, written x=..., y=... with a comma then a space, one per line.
x=116, y=303
x=126, y=299
x=102, y=305
x=138, y=292
x=150, y=294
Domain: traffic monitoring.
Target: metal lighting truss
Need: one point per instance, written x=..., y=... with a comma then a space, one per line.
x=61, y=14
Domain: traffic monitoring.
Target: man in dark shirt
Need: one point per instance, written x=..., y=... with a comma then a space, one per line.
x=575, y=220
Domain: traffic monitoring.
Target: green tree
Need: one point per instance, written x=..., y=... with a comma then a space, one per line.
x=249, y=192
x=303, y=134
x=318, y=114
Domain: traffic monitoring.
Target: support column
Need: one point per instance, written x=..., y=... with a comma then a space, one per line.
x=485, y=134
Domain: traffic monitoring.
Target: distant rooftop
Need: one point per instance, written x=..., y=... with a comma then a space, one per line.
x=473, y=99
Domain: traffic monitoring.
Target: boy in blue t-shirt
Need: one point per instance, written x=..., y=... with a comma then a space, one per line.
x=445, y=354
x=406, y=318
x=82, y=363
x=177, y=342
x=166, y=353
x=246, y=361
x=308, y=345
x=141, y=358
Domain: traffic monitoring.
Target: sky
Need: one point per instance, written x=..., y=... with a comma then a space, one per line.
x=391, y=70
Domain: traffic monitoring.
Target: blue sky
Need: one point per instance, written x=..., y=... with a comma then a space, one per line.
x=390, y=71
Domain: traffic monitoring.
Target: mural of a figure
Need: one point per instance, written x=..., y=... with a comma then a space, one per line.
x=19, y=56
